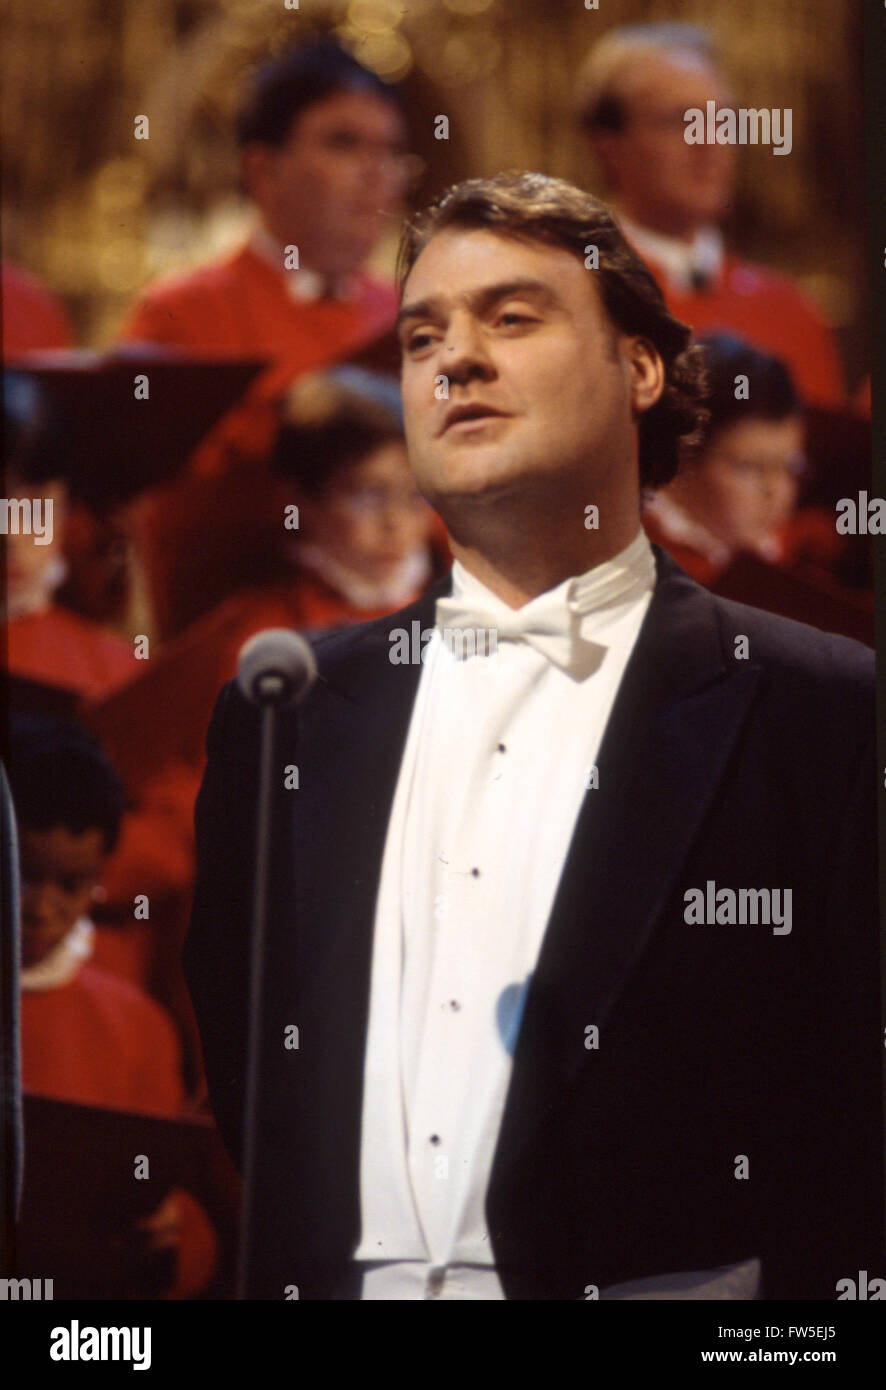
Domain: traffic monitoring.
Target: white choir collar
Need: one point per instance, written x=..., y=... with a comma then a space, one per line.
x=684, y=263
x=304, y=284
x=407, y=580
x=64, y=960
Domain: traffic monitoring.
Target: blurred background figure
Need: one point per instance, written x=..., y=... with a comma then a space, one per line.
x=363, y=543
x=59, y=662
x=322, y=144
x=739, y=491
x=86, y=1034
x=634, y=89
x=53, y=655
x=362, y=547
x=114, y=427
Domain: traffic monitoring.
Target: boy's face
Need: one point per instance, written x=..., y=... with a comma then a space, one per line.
x=749, y=479
x=60, y=873
x=373, y=516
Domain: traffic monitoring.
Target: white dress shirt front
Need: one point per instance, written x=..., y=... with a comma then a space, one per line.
x=495, y=769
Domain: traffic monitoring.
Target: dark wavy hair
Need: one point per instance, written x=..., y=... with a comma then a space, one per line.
x=771, y=391
x=60, y=776
x=535, y=207
x=331, y=420
x=284, y=86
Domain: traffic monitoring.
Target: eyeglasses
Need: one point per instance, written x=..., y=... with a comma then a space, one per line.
x=795, y=467
x=669, y=122
x=355, y=146
x=369, y=501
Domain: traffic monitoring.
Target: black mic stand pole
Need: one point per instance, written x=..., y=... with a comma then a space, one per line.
x=276, y=670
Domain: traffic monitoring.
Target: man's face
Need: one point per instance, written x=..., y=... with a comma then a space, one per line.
x=661, y=181
x=60, y=872
x=518, y=330
x=329, y=188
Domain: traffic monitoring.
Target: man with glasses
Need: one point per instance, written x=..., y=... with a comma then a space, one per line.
x=634, y=91
x=323, y=161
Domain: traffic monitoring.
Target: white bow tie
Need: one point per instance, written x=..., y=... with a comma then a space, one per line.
x=547, y=623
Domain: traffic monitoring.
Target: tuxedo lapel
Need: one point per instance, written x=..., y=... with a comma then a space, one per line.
x=679, y=709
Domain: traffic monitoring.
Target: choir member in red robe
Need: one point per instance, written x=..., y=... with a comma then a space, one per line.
x=58, y=661
x=739, y=491
x=322, y=161
x=352, y=542
x=635, y=88
x=46, y=645
x=86, y=1035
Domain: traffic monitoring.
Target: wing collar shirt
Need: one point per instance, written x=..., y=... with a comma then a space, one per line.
x=494, y=771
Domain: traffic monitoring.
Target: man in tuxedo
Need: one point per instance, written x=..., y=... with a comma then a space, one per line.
x=574, y=908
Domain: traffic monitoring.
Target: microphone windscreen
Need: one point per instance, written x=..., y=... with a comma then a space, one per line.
x=276, y=667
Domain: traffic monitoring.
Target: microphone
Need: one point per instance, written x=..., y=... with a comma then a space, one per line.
x=276, y=667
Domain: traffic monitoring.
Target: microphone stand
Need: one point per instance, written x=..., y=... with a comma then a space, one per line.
x=256, y=993
x=276, y=670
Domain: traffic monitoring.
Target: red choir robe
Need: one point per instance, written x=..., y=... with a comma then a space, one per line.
x=766, y=308
x=56, y=648
x=809, y=537
x=241, y=307
x=794, y=573
x=33, y=319
x=100, y=1040
x=56, y=651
